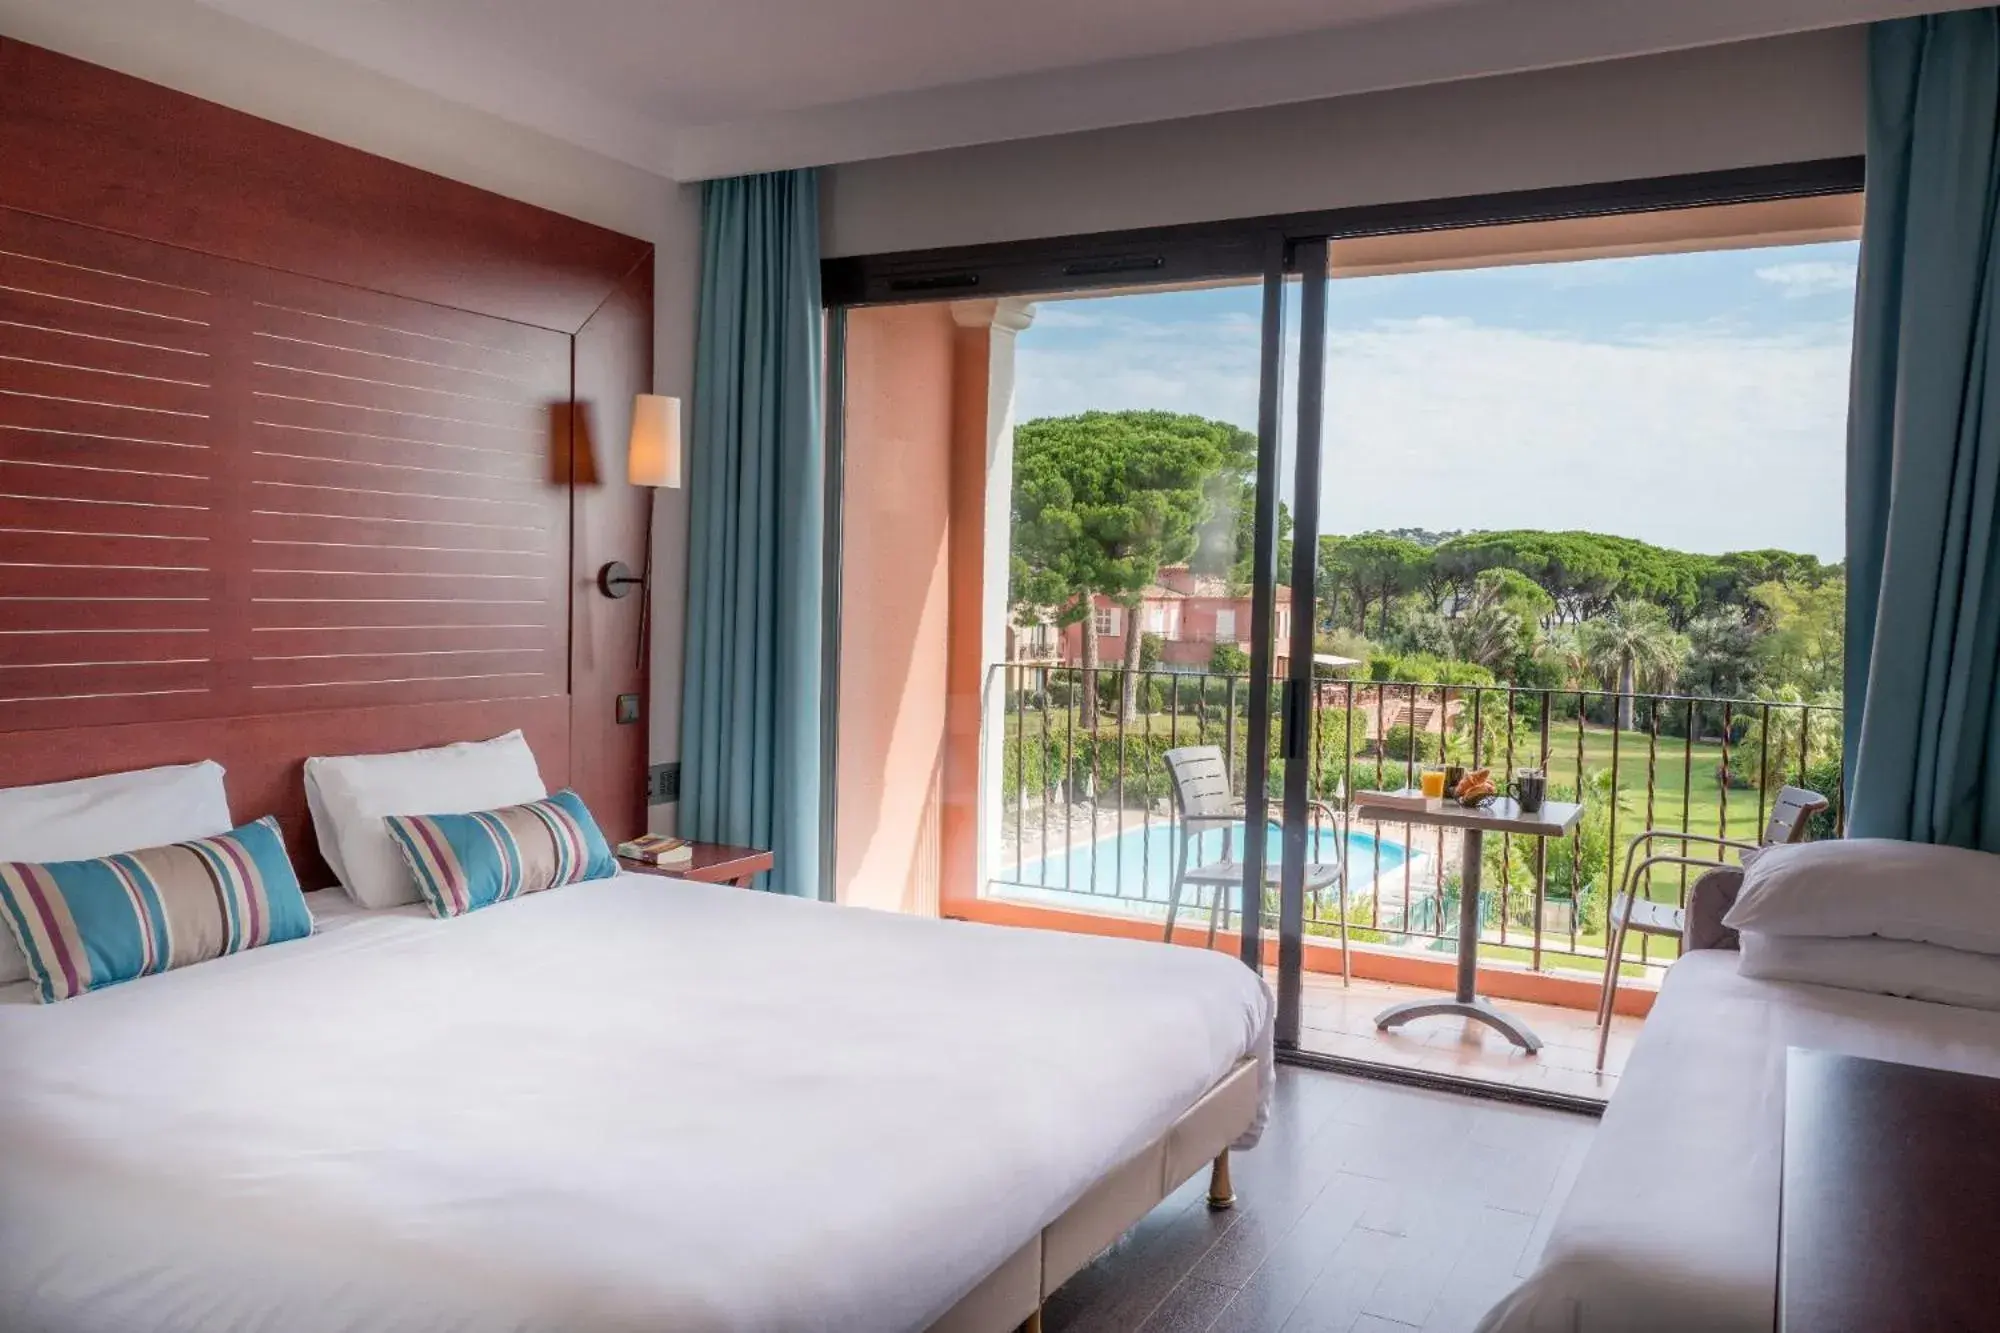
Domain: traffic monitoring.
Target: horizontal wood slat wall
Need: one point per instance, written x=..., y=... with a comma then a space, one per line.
x=292, y=457
x=300, y=490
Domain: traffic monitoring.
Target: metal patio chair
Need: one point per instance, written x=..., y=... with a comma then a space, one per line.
x=1200, y=778
x=1791, y=815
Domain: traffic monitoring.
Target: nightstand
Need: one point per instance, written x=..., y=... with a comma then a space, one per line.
x=713, y=863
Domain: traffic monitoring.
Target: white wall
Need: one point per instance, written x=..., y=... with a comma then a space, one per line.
x=224, y=60
x=1754, y=103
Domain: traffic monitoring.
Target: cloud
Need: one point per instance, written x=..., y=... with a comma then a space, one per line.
x=1062, y=315
x=1677, y=438
x=1700, y=437
x=1809, y=278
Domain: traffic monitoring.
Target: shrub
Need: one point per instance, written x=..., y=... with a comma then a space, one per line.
x=1823, y=776
x=1227, y=659
x=1039, y=766
x=1733, y=778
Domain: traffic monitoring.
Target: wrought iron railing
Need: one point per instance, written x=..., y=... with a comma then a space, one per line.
x=1085, y=816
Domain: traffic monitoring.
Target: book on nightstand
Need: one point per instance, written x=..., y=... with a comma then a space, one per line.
x=656, y=850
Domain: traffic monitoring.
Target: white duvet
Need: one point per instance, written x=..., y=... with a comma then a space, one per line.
x=633, y=1104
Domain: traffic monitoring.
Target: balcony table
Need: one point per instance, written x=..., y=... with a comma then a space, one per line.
x=1504, y=815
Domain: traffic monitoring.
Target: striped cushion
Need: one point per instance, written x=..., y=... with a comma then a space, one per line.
x=465, y=862
x=87, y=924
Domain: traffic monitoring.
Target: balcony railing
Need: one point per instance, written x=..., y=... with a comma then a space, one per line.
x=1086, y=818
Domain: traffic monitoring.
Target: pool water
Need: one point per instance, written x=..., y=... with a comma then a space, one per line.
x=1140, y=862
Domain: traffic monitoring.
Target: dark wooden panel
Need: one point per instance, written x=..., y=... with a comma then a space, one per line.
x=83, y=546
x=103, y=275
x=274, y=643
x=68, y=382
x=433, y=476
x=614, y=352
x=107, y=704
x=86, y=679
x=287, y=332
x=264, y=754
x=20, y=649
x=363, y=449
x=83, y=321
x=505, y=669
x=41, y=448
x=328, y=411
x=341, y=613
x=323, y=389
x=22, y=511
x=92, y=146
x=279, y=585
x=1887, y=1219
x=283, y=361
x=81, y=580
x=61, y=617
x=21, y=341
x=342, y=557
x=95, y=415
x=389, y=400
x=426, y=509
x=78, y=481
x=273, y=525
x=196, y=465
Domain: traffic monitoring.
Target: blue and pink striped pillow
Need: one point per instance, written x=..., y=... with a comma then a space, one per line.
x=465, y=862
x=88, y=924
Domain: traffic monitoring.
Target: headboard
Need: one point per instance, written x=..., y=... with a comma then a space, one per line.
x=301, y=452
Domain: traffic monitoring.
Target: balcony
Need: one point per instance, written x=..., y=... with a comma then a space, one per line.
x=1084, y=833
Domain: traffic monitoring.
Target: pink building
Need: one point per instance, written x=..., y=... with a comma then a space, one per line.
x=1189, y=612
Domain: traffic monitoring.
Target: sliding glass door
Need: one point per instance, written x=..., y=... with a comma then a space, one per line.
x=1168, y=549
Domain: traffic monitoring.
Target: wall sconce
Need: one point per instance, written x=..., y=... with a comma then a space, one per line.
x=652, y=458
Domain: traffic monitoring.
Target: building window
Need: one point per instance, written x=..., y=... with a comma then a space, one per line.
x=1107, y=619
x=1156, y=620
x=1225, y=626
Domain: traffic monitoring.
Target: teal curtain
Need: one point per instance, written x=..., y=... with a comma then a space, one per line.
x=1923, y=512
x=750, y=719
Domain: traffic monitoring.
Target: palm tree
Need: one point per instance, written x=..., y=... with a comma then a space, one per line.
x=1560, y=644
x=1633, y=643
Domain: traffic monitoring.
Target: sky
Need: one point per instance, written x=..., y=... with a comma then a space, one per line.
x=1697, y=401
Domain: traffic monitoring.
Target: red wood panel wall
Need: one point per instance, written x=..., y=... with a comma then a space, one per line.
x=326, y=501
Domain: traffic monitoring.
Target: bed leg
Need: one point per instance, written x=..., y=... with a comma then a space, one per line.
x=1220, y=1193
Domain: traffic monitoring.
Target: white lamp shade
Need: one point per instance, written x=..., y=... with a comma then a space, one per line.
x=654, y=457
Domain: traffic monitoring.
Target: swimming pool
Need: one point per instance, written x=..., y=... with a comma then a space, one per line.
x=1140, y=862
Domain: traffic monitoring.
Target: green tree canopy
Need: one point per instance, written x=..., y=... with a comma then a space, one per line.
x=1102, y=500
x=1805, y=642
x=1373, y=568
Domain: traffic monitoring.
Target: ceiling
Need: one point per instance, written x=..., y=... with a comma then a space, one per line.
x=695, y=88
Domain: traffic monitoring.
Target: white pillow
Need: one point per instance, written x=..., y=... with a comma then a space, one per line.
x=1882, y=967
x=348, y=796
x=1873, y=886
x=92, y=817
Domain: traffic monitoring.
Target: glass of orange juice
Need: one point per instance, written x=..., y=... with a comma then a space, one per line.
x=1433, y=780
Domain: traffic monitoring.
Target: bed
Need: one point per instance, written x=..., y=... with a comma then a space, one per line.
x=636, y=1103
x=1673, y=1223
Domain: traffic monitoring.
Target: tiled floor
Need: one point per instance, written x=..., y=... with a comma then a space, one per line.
x=1367, y=1206
x=1341, y=1021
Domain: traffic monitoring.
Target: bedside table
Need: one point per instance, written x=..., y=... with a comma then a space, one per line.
x=713, y=863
